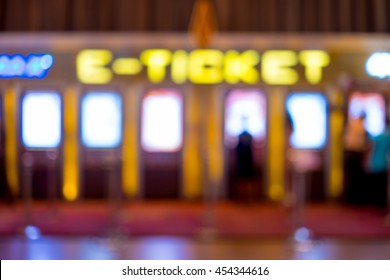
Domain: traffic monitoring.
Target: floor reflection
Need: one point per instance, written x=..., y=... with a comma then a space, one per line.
x=168, y=248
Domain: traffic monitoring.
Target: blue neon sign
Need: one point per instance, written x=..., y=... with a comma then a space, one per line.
x=32, y=66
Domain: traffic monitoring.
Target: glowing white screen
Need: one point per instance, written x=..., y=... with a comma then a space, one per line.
x=308, y=114
x=41, y=120
x=101, y=120
x=378, y=65
x=162, y=121
x=373, y=105
x=245, y=110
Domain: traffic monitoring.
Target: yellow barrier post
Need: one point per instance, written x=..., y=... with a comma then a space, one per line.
x=192, y=168
x=336, y=144
x=276, y=140
x=71, y=169
x=11, y=147
x=130, y=167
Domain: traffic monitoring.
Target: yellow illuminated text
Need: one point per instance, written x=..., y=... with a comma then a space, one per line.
x=157, y=61
x=241, y=67
x=314, y=61
x=91, y=66
x=276, y=67
x=126, y=66
x=179, y=67
x=206, y=67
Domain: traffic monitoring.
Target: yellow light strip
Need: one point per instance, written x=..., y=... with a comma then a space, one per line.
x=276, y=151
x=130, y=168
x=71, y=172
x=11, y=148
x=336, y=148
x=215, y=139
x=191, y=151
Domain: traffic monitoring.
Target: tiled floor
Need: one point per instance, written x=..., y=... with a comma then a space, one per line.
x=168, y=247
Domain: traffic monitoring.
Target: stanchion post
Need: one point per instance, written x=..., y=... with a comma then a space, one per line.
x=52, y=157
x=301, y=235
x=299, y=191
x=113, y=191
x=208, y=230
x=28, y=162
x=209, y=218
x=30, y=231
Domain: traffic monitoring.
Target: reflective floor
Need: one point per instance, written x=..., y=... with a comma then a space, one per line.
x=186, y=219
x=168, y=247
x=183, y=230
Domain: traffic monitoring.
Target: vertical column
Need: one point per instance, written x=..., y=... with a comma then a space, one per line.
x=336, y=144
x=71, y=169
x=344, y=15
x=381, y=16
x=276, y=150
x=215, y=139
x=130, y=168
x=192, y=167
x=11, y=147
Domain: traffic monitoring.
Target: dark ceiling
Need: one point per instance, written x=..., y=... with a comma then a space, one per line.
x=174, y=15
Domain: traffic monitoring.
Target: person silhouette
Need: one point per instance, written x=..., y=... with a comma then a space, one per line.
x=5, y=191
x=378, y=167
x=288, y=197
x=245, y=165
x=356, y=144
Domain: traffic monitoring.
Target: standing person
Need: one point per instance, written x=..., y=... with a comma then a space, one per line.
x=356, y=143
x=5, y=191
x=378, y=167
x=245, y=166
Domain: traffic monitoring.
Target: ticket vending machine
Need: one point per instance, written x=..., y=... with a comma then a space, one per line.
x=101, y=139
x=161, y=143
x=245, y=113
x=307, y=139
x=41, y=137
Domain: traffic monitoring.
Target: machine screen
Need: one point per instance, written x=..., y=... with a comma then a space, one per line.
x=245, y=110
x=308, y=115
x=101, y=120
x=41, y=119
x=161, y=129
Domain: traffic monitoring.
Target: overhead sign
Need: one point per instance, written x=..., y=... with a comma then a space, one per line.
x=31, y=66
x=204, y=66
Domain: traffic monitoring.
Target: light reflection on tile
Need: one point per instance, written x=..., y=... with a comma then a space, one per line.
x=163, y=248
x=166, y=247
